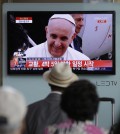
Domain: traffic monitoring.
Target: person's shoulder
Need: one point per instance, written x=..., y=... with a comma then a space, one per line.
x=87, y=127
x=35, y=47
x=40, y=103
x=84, y=57
x=90, y=127
x=67, y=124
x=79, y=38
x=58, y=127
x=35, y=51
x=79, y=55
x=35, y=105
x=97, y=130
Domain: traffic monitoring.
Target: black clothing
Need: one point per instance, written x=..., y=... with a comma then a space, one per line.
x=77, y=42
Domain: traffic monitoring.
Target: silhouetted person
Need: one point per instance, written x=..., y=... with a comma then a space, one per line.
x=80, y=102
x=77, y=41
x=12, y=111
x=47, y=111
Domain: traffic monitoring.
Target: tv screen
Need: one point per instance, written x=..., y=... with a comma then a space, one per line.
x=34, y=47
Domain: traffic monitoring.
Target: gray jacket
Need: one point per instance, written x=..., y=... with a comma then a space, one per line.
x=44, y=113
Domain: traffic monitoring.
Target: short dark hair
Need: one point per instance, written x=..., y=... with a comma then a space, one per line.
x=80, y=100
x=56, y=88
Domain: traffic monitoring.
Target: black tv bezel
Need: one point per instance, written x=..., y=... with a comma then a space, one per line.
x=29, y=72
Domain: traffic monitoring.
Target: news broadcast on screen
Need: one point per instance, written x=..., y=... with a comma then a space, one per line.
x=37, y=40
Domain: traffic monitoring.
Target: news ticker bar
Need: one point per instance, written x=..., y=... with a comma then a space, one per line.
x=51, y=63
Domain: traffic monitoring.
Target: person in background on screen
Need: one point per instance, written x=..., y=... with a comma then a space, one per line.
x=80, y=102
x=47, y=111
x=12, y=111
x=77, y=41
x=60, y=32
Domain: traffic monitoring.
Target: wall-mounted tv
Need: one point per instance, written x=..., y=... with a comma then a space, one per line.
x=26, y=32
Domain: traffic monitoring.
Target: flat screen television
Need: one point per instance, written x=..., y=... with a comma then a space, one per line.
x=26, y=29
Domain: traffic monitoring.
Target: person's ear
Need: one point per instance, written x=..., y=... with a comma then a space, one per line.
x=46, y=29
x=73, y=36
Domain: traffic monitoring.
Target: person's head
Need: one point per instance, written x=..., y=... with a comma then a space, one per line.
x=60, y=76
x=12, y=111
x=80, y=100
x=59, y=33
x=78, y=21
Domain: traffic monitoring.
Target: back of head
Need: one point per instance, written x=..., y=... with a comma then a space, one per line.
x=60, y=75
x=80, y=100
x=12, y=110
